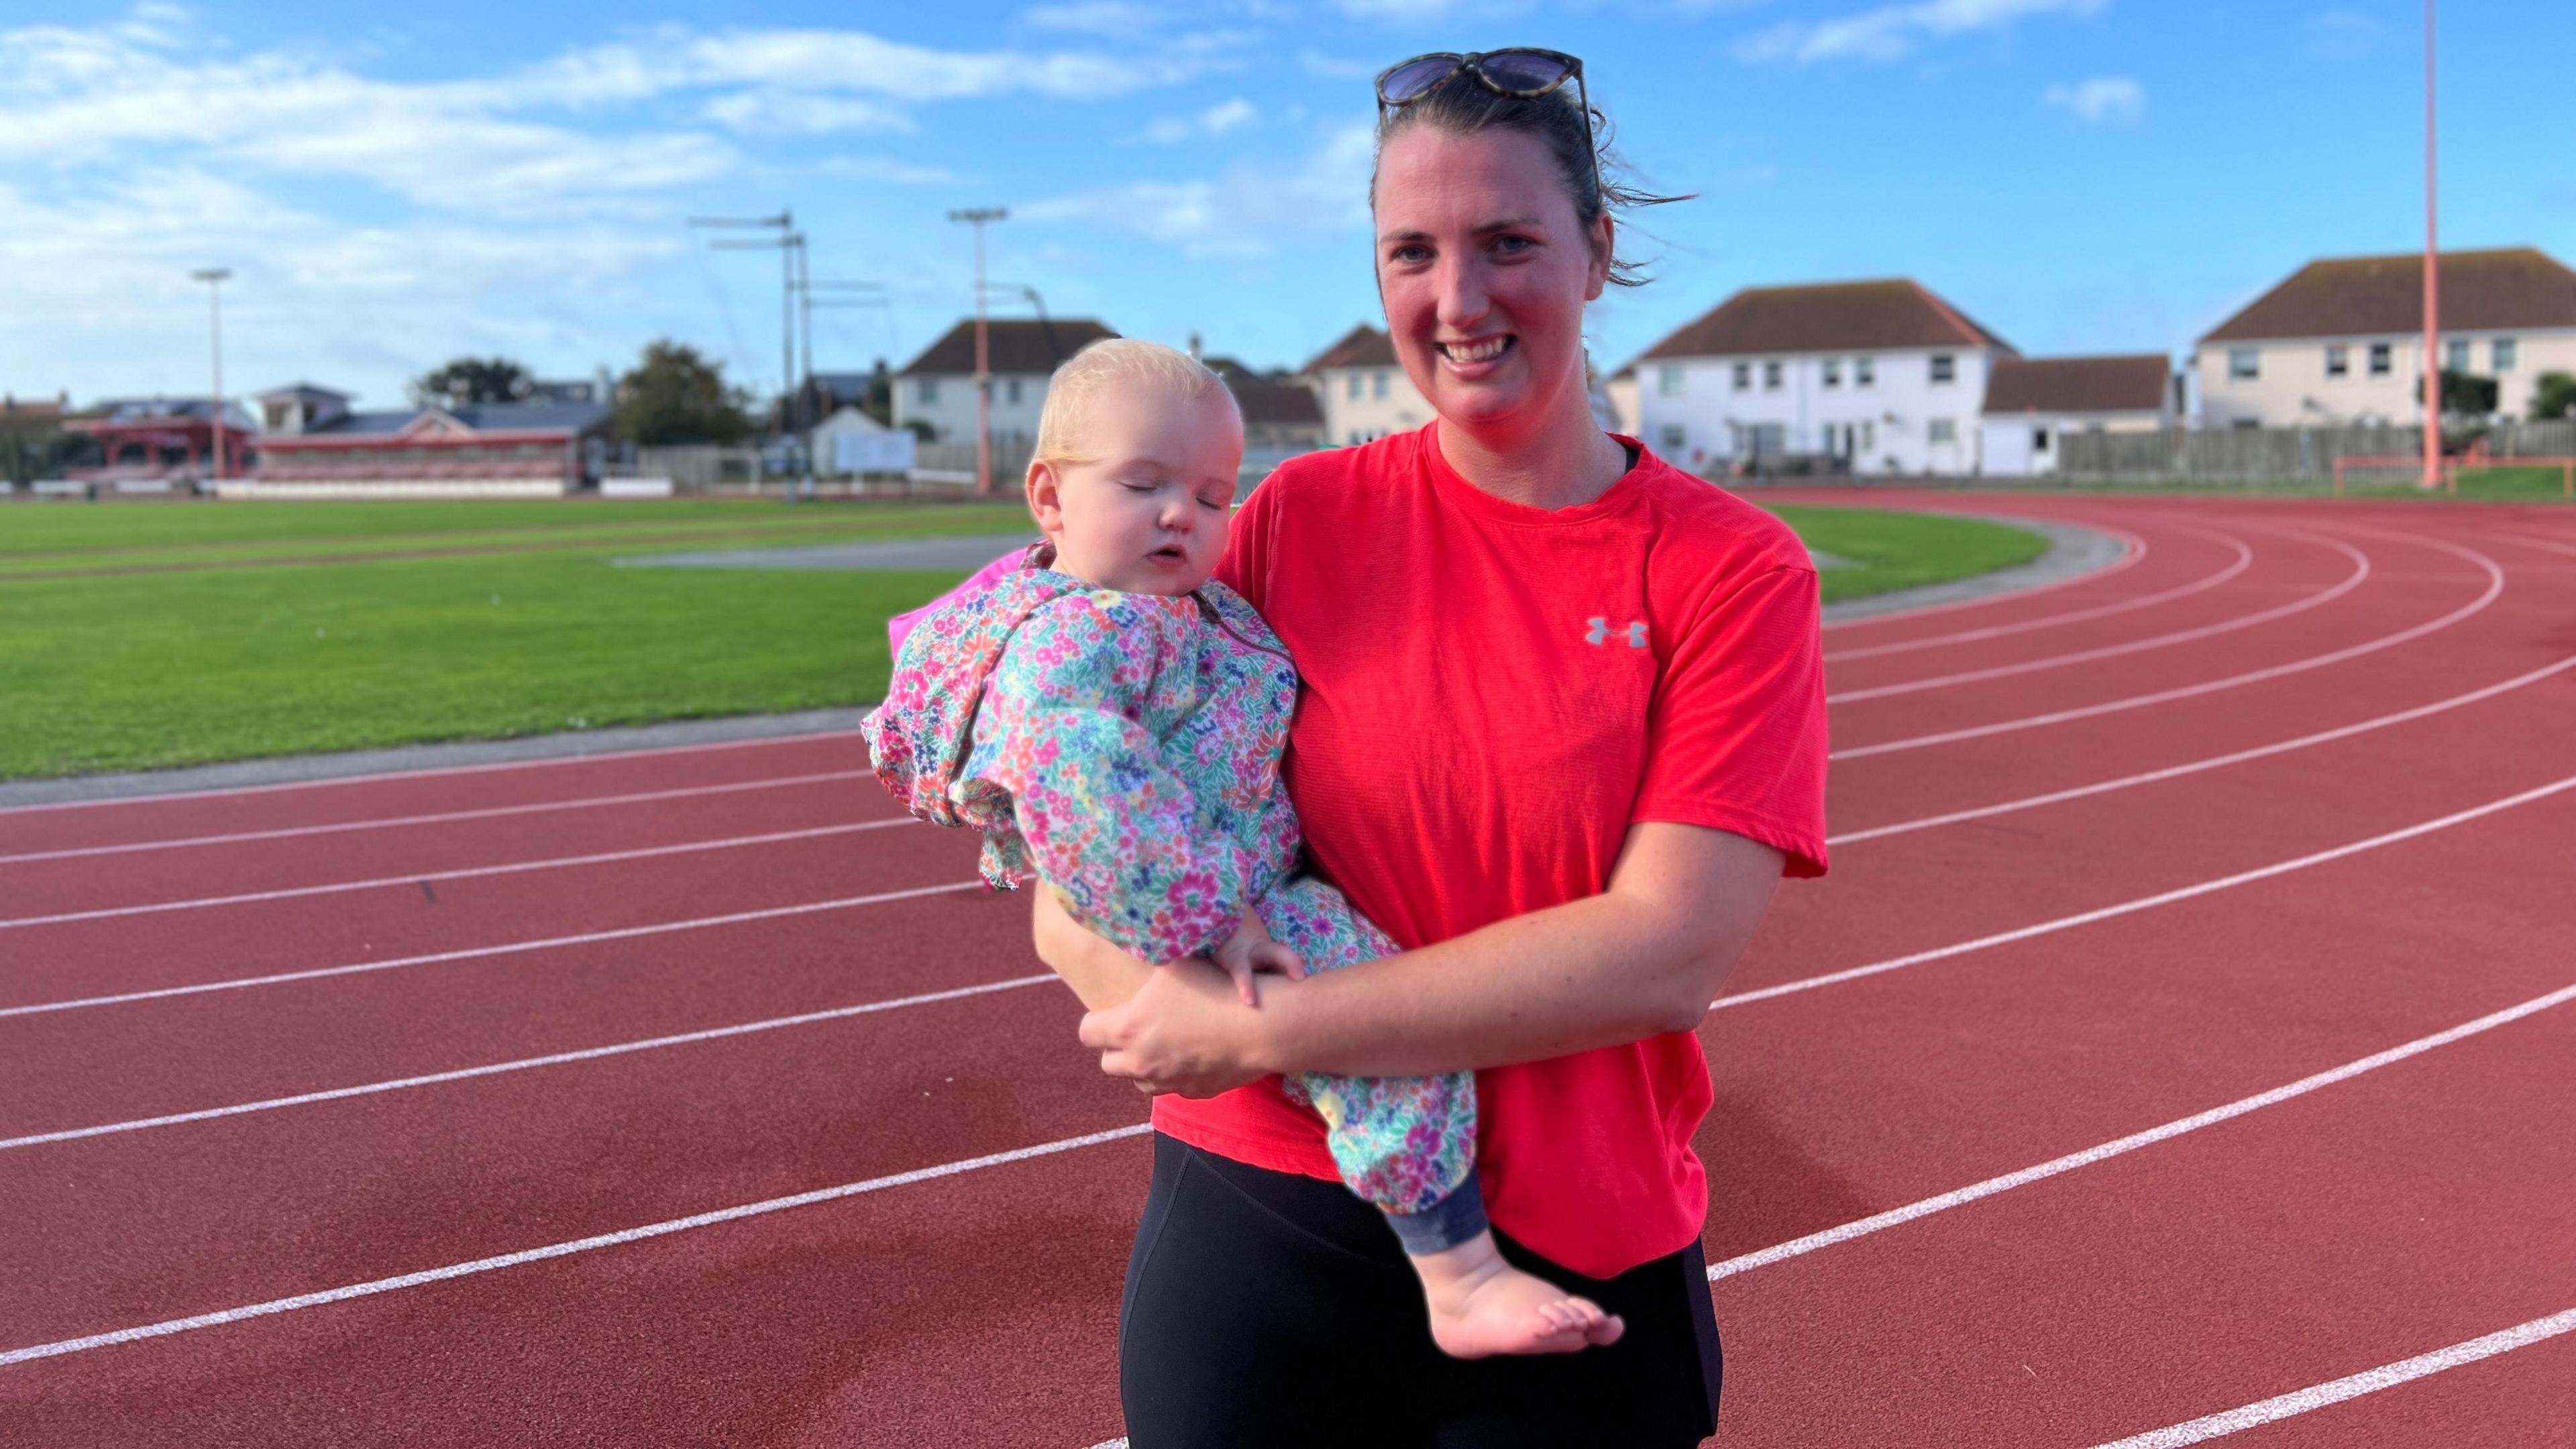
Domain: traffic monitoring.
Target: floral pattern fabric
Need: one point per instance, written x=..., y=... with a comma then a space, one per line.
x=1124, y=749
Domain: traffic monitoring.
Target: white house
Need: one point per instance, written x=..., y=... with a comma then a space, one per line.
x=938, y=387
x=1879, y=376
x=2032, y=403
x=1363, y=389
x=2342, y=340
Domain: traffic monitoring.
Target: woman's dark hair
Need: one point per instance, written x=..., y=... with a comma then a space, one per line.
x=1463, y=107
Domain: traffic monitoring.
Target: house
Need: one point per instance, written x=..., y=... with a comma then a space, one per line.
x=938, y=387
x=2033, y=402
x=1363, y=389
x=2342, y=340
x=476, y=450
x=1280, y=413
x=823, y=394
x=853, y=441
x=299, y=407
x=1878, y=376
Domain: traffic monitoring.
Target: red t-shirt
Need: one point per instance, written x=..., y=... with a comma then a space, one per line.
x=1493, y=694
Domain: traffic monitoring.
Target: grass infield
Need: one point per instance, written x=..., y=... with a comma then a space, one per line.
x=135, y=636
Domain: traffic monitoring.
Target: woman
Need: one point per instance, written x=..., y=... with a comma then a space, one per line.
x=1562, y=729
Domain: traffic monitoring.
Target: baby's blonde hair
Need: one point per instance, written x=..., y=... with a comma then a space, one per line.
x=1112, y=362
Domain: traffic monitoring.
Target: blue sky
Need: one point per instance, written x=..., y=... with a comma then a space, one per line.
x=2080, y=175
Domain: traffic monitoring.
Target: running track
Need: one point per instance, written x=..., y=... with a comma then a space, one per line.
x=2180, y=1050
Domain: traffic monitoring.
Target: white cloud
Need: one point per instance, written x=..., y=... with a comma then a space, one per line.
x=1891, y=31
x=1249, y=209
x=1216, y=120
x=802, y=113
x=2114, y=100
x=1419, y=12
x=1095, y=17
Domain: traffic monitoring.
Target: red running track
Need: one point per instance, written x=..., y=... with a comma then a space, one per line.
x=2178, y=1051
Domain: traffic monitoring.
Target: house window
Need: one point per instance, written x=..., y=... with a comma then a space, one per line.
x=1668, y=379
x=2503, y=350
x=2455, y=354
x=1355, y=387
x=1770, y=377
x=1864, y=371
x=2246, y=424
x=1833, y=372
x=1942, y=430
x=1676, y=437
x=1868, y=435
x=2338, y=360
x=2379, y=359
x=2039, y=440
x=1011, y=390
x=1945, y=368
x=1377, y=383
x=1743, y=376
x=927, y=390
x=2244, y=362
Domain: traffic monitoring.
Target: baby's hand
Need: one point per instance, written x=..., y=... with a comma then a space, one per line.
x=1249, y=950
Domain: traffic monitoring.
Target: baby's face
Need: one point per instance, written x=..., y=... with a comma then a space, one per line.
x=1149, y=515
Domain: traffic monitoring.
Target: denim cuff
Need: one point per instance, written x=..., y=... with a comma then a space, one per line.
x=1455, y=1219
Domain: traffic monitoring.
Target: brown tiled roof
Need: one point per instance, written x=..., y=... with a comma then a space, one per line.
x=2131, y=383
x=2353, y=296
x=1268, y=399
x=1362, y=346
x=1013, y=344
x=1827, y=317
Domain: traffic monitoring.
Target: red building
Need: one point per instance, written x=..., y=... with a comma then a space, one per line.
x=162, y=441
x=314, y=447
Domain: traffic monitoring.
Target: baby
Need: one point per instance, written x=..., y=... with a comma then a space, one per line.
x=1112, y=722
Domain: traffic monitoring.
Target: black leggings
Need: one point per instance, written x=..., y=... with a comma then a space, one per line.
x=1264, y=1308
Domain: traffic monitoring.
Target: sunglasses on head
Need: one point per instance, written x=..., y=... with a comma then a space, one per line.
x=1522, y=72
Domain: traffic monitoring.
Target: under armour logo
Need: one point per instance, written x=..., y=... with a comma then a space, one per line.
x=1599, y=633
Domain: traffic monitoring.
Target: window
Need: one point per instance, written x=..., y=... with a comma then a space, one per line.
x=2338, y=360
x=927, y=390
x=1868, y=435
x=1864, y=371
x=1945, y=368
x=1676, y=437
x=2455, y=354
x=1942, y=430
x=2379, y=359
x=1833, y=372
x=1770, y=377
x=1743, y=376
x=1668, y=379
x=2504, y=350
x=1377, y=383
x=2039, y=440
x=1355, y=387
x=2244, y=362
x=1011, y=390
x=2246, y=424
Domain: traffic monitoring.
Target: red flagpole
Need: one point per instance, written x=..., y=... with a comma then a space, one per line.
x=2432, y=283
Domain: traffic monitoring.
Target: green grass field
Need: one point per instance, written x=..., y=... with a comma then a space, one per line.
x=142, y=635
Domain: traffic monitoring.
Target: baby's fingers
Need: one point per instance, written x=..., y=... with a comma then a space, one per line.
x=1241, y=968
x=1274, y=957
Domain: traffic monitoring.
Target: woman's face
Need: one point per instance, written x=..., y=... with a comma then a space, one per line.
x=1484, y=272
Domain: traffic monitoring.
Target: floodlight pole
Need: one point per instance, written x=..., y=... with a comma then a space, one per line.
x=976, y=216
x=2432, y=283
x=214, y=278
x=791, y=247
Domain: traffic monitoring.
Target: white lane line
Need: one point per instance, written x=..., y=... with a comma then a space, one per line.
x=1893, y=1217
x=2495, y=586
x=551, y=1059
x=2368, y=1381
x=2360, y=571
x=415, y=878
x=495, y=812
x=2137, y=552
x=2146, y=903
x=2193, y=767
x=510, y=948
x=561, y=1250
x=2244, y=560
x=433, y=773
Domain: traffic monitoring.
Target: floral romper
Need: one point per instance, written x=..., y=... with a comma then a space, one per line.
x=1124, y=749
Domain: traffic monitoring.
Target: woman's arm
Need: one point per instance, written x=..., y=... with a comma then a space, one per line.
x=1644, y=956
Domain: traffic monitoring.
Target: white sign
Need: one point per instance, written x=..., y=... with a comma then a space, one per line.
x=887, y=452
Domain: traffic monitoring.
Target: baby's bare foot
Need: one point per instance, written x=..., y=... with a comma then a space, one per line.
x=1482, y=1306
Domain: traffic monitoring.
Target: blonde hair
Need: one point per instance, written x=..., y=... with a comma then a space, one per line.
x=1112, y=362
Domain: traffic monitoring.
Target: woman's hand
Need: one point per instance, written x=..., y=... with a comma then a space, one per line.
x=1184, y=1031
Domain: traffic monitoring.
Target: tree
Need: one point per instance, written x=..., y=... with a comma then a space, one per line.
x=468, y=380
x=2463, y=395
x=2554, y=396
x=674, y=395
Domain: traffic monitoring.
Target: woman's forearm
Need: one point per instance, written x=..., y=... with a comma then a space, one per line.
x=1099, y=973
x=1642, y=958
